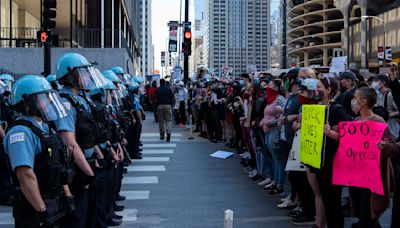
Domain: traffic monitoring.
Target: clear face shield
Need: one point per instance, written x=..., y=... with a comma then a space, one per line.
x=87, y=78
x=50, y=106
x=122, y=91
x=116, y=98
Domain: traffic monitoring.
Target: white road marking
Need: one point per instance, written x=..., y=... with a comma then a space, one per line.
x=146, y=168
x=167, y=151
x=158, y=134
x=159, y=145
x=140, y=180
x=136, y=195
x=157, y=140
x=6, y=218
x=153, y=159
x=130, y=215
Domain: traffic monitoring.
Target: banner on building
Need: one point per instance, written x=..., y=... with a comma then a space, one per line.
x=163, y=58
x=357, y=161
x=173, y=36
x=381, y=56
x=312, y=134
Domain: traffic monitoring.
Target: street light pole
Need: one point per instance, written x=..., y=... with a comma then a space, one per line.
x=384, y=32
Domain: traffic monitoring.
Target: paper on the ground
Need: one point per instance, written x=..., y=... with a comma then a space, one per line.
x=221, y=154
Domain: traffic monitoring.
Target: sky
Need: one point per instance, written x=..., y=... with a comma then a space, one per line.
x=162, y=12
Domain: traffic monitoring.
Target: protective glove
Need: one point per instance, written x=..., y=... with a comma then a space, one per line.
x=43, y=219
x=71, y=207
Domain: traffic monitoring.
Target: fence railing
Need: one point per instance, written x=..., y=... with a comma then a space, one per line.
x=81, y=37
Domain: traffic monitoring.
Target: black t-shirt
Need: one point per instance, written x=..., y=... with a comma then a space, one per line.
x=292, y=107
x=337, y=113
x=345, y=100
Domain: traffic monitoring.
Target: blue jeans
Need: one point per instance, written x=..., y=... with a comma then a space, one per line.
x=278, y=158
x=263, y=157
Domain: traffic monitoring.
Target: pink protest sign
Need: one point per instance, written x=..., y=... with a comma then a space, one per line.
x=357, y=161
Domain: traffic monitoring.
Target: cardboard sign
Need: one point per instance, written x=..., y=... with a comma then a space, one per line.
x=312, y=134
x=293, y=163
x=338, y=65
x=357, y=161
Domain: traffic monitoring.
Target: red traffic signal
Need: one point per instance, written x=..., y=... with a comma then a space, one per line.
x=44, y=36
x=188, y=34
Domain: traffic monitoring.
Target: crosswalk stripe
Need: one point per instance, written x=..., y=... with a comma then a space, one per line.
x=167, y=151
x=153, y=159
x=6, y=218
x=136, y=195
x=148, y=134
x=146, y=168
x=159, y=145
x=152, y=140
x=130, y=215
x=140, y=180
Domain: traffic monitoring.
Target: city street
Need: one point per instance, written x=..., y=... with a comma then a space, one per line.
x=178, y=184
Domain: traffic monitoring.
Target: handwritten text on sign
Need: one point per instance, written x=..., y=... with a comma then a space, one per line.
x=312, y=134
x=357, y=161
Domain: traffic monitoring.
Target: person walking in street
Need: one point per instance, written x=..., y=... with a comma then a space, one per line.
x=164, y=98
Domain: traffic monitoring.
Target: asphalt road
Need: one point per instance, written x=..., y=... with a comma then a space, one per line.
x=179, y=185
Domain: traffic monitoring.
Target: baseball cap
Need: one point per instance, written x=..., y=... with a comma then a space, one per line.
x=348, y=75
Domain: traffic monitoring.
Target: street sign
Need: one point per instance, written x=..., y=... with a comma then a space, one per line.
x=44, y=37
x=388, y=53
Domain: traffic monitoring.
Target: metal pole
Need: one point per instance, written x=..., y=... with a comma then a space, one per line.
x=47, y=59
x=186, y=57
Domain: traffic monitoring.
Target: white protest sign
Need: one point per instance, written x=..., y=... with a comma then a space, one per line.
x=293, y=163
x=338, y=64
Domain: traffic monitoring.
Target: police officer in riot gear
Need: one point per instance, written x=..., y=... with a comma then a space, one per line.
x=77, y=76
x=7, y=118
x=131, y=109
x=38, y=158
x=102, y=115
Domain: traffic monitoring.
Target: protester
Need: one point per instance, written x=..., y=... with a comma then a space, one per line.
x=164, y=97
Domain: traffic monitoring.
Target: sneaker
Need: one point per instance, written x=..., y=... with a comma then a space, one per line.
x=252, y=173
x=298, y=211
x=265, y=182
x=275, y=192
x=245, y=155
x=287, y=198
x=269, y=187
x=287, y=205
x=303, y=221
x=168, y=137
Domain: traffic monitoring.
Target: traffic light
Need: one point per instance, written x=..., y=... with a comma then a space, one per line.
x=49, y=14
x=187, y=41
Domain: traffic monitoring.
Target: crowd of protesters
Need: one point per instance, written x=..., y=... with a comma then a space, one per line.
x=259, y=118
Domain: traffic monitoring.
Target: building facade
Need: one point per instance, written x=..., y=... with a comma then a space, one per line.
x=314, y=31
x=196, y=16
x=145, y=39
x=236, y=34
x=84, y=25
x=367, y=26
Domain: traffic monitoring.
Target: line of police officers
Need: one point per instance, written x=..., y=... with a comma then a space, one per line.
x=69, y=143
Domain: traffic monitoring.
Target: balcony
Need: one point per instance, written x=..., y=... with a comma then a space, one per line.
x=81, y=38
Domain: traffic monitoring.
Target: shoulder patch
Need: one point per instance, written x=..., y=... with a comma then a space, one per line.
x=67, y=105
x=17, y=137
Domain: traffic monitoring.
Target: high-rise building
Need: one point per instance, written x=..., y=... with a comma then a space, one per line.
x=196, y=15
x=275, y=32
x=315, y=29
x=236, y=34
x=103, y=31
x=145, y=39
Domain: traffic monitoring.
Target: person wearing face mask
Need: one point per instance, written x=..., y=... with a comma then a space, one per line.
x=385, y=99
x=270, y=124
x=367, y=206
x=328, y=89
x=244, y=80
x=348, y=82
